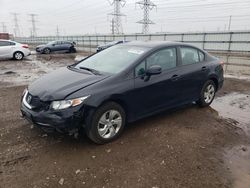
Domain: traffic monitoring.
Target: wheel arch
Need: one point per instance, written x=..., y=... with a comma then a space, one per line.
x=215, y=80
x=16, y=52
x=114, y=98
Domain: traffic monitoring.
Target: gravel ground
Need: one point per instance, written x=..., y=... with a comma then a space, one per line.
x=188, y=147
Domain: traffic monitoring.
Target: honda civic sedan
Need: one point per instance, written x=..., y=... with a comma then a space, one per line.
x=124, y=83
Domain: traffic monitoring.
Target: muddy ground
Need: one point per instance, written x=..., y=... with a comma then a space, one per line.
x=188, y=147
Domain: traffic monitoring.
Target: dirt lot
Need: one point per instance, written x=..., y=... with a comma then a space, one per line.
x=188, y=147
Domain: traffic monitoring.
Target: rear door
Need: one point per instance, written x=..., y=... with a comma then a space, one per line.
x=160, y=91
x=194, y=72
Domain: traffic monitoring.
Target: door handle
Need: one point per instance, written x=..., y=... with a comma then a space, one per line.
x=204, y=68
x=175, y=77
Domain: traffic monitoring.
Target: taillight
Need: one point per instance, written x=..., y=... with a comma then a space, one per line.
x=25, y=46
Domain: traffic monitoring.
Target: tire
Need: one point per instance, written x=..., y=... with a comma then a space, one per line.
x=18, y=56
x=46, y=51
x=114, y=119
x=207, y=94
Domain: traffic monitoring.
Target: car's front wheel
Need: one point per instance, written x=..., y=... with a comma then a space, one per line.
x=207, y=93
x=106, y=123
x=46, y=51
x=18, y=55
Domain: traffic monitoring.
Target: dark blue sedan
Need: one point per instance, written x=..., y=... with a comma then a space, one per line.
x=122, y=84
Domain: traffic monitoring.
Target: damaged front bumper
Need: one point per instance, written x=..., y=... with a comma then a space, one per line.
x=64, y=121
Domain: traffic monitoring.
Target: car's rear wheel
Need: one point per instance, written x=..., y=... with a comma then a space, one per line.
x=47, y=51
x=18, y=55
x=207, y=93
x=106, y=123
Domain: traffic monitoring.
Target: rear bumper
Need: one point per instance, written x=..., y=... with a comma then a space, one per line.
x=64, y=121
x=26, y=52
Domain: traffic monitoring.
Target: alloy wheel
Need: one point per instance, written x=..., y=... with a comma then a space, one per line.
x=209, y=93
x=109, y=124
x=18, y=55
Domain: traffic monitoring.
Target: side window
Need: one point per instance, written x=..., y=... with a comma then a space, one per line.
x=140, y=69
x=189, y=55
x=202, y=56
x=6, y=43
x=165, y=58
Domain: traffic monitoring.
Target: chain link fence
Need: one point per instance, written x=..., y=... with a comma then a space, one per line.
x=210, y=41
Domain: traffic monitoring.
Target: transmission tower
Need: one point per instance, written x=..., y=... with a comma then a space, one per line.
x=146, y=5
x=16, y=25
x=116, y=21
x=57, y=31
x=4, y=27
x=33, y=22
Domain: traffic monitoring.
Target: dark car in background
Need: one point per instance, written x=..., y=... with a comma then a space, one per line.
x=57, y=46
x=122, y=84
x=109, y=44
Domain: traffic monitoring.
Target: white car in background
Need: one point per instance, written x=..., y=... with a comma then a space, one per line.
x=13, y=50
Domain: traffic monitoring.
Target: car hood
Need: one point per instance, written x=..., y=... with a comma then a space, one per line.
x=60, y=83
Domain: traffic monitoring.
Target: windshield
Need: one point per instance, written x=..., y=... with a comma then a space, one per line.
x=52, y=42
x=112, y=60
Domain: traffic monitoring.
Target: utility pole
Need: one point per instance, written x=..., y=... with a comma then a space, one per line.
x=16, y=25
x=116, y=22
x=33, y=23
x=4, y=27
x=229, y=24
x=146, y=5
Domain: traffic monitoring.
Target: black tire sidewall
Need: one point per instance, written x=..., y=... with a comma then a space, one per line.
x=201, y=101
x=94, y=117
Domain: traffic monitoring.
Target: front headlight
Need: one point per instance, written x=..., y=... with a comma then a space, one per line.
x=59, y=105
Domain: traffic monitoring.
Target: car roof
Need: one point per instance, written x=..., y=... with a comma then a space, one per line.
x=155, y=44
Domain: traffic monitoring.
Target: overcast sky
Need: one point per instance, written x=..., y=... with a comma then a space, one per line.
x=90, y=16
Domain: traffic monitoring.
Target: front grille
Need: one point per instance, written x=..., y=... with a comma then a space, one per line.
x=36, y=103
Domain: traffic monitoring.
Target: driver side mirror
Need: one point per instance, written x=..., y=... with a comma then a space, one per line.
x=53, y=44
x=153, y=70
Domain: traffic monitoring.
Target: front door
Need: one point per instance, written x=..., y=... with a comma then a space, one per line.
x=159, y=91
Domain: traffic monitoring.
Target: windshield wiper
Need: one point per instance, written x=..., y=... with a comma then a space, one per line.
x=91, y=70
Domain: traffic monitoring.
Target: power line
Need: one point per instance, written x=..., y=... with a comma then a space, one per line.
x=146, y=5
x=116, y=22
x=33, y=23
x=16, y=25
